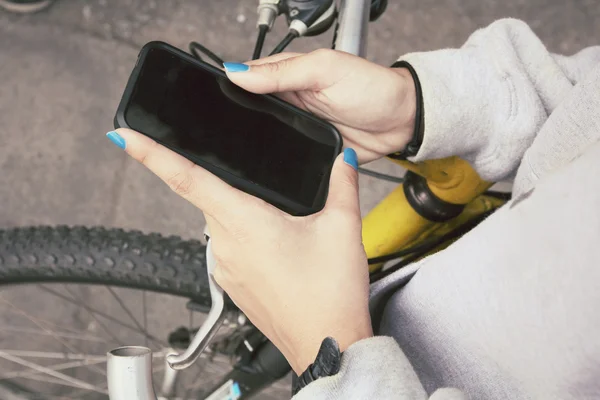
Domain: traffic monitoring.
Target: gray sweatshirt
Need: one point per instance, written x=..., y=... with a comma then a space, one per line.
x=510, y=310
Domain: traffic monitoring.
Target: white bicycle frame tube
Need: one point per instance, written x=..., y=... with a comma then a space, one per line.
x=129, y=373
x=129, y=368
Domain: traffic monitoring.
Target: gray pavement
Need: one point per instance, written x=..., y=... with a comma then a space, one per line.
x=62, y=72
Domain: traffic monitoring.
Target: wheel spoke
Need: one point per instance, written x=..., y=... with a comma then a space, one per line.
x=145, y=317
x=53, y=355
x=81, y=394
x=104, y=315
x=51, y=333
x=200, y=382
x=208, y=366
x=67, y=379
x=55, y=367
x=64, y=363
x=43, y=321
x=64, y=383
x=128, y=312
x=84, y=305
x=66, y=335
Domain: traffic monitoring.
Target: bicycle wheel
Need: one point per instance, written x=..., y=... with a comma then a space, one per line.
x=71, y=294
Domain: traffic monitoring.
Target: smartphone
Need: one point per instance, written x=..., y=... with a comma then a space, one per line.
x=257, y=143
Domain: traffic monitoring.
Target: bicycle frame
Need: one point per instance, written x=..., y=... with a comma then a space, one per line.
x=395, y=223
x=353, y=27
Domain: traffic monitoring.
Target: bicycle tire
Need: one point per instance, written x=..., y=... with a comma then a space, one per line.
x=104, y=256
x=99, y=255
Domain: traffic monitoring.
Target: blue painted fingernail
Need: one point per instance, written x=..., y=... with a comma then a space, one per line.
x=350, y=158
x=236, y=392
x=235, y=67
x=116, y=139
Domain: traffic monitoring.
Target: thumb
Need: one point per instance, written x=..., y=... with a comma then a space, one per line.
x=343, y=184
x=283, y=72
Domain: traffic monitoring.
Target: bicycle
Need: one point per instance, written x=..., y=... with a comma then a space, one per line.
x=437, y=202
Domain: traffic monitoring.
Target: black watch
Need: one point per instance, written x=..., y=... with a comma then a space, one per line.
x=327, y=363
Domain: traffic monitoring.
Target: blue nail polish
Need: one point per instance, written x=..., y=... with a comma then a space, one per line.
x=116, y=139
x=236, y=392
x=235, y=67
x=350, y=158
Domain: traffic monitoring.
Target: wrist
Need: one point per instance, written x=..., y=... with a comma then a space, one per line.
x=414, y=101
x=328, y=362
x=304, y=352
x=406, y=108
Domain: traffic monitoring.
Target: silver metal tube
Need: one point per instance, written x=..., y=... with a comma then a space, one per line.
x=130, y=368
x=268, y=10
x=167, y=388
x=211, y=324
x=353, y=27
x=129, y=373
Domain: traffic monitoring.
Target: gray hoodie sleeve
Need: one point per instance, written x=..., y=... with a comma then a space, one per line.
x=374, y=368
x=484, y=102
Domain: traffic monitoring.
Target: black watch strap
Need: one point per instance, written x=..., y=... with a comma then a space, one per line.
x=327, y=363
x=412, y=148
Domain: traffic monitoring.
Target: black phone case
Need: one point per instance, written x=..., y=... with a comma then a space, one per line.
x=269, y=196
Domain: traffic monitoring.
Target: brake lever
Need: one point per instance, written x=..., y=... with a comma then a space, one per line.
x=211, y=325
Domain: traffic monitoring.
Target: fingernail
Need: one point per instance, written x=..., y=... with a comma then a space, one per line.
x=235, y=67
x=236, y=391
x=116, y=139
x=350, y=158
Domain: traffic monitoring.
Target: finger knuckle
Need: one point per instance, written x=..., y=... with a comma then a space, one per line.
x=347, y=182
x=276, y=67
x=182, y=183
x=147, y=157
x=324, y=55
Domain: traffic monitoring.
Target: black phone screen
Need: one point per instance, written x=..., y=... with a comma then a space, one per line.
x=201, y=114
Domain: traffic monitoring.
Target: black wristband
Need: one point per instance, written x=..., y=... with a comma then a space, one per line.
x=327, y=363
x=412, y=148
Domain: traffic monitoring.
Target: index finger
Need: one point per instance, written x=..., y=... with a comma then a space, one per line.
x=192, y=182
x=273, y=58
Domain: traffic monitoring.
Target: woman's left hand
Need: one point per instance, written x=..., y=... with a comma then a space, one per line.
x=298, y=279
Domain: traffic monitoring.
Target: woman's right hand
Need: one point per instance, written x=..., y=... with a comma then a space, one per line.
x=372, y=106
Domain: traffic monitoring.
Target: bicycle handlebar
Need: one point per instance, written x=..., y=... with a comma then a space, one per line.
x=352, y=30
